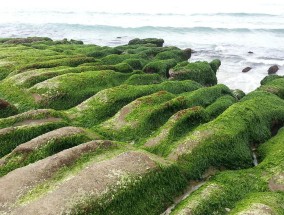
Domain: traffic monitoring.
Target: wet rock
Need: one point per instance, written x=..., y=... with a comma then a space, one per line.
x=273, y=69
x=246, y=69
x=187, y=52
x=250, y=52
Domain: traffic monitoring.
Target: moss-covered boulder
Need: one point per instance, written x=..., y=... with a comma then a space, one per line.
x=157, y=42
x=161, y=67
x=200, y=72
x=178, y=55
x=215, y=64
x=273, y=85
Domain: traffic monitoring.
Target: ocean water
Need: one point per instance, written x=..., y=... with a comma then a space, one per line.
x=228, y=36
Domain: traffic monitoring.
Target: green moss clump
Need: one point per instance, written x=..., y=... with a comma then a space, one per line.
x=269, y=78
x=261, y=202
x=68, y=90
x=20, y=158
x=11, y=137
x=144, y=79
x=116, y=58
x=157, y=42
x=161, y=67
x=26, y=40
x=225, y=141
x=139, y=117
x=107, y=102
x=72, y=61
x=5, y=70
x=17, y=96
x=238, y=94
x=30, y=116
x=134, y=63
x=178, y=55
x=200, y=72
x=220, y=105
x=146, y=114
x=242, y=190
x=174, y=129
x=103, y=52
x=215, y=64
x=273, y=85
x=123, y=67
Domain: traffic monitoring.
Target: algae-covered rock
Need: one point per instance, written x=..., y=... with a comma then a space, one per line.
x=134, y=63
x=178, y=55
x=157, y=42
x=200, y=72
x=144, y=79
x=177, y=127
x=27, y=40
x=161, y=67
x=215, y=64
x=269, y=78
x=273, y=85
x=246, y=191
x=239, y=94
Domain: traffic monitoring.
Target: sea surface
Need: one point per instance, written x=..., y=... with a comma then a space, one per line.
x=227, y=36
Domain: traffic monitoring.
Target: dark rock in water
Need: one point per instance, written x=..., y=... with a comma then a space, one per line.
x=273, y=69
x=250, y=52
x=246, y=69
x=187, y=52
x=155, y=41
x=118, y=37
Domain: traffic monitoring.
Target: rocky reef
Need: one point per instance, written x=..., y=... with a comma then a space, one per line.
x=134, y=129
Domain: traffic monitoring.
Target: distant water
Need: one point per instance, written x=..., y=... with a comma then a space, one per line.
x=227, y=36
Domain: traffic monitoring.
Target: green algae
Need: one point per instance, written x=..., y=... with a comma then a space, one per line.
x=107, y=102
x=200, y=72
x=11, y=137
x=123, y=93
x=240, y=189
